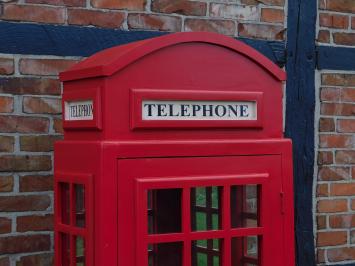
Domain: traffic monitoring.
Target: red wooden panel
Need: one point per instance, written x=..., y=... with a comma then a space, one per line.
x=144, y=174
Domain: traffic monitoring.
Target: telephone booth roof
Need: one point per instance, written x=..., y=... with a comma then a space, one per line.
x=109, y=61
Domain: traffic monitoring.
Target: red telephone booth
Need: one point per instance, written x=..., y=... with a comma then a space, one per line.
x=173, y=155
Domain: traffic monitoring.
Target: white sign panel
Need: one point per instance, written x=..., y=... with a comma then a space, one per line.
x=79, y=110
x=199, y=110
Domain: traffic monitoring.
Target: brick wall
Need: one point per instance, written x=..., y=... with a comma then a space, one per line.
x=337, y=22
x=30, y=110
x=30, y=122
x=248, y=18
x=335, y=188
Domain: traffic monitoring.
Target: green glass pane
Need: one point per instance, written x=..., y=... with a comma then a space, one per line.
x=201, y=259
x=201, y=196
x=201, y=221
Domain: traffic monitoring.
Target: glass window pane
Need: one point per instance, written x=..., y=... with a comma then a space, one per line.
x=80, y=205
x=80, y=251
x=164, y=211
x=65, y=249
x=65, y=202
x=245, y=251
x=244, y=206
x=206, y=252
x=206, y=208
x=165, y=254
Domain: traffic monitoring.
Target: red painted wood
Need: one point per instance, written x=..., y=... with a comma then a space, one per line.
x=118, y=157
x=109, y=61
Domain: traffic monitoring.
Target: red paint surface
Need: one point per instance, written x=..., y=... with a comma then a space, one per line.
x=118, y=157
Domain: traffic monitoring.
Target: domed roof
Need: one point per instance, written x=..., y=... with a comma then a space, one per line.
x=110, y=61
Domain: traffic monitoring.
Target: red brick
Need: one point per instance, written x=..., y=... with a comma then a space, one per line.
x=342, y=221
x=336, y=141
x=35, y=223
x=58, y=125
x=41, y=143
x=45, y=67
x=345, y=157
x=261, y=31
x=5, y=225
x=5, y=261
x=6, y=66
x=21, y=163
x=333, y=21
x=226, y=27
x=183, y=7
x=24, y=244
x=326, y=124
x=321, y=222
x=31, y=183
x=23, y=124
x=6, y=183
x=76, y=3
x=333, y=173
x=344, y=38
x=233, y=11
x=265, y=2
x=342, y=189
x=332, y=206
x=334, y=79
x=6, y=104
x=154, y=22
x=331, y=238
x=46, y=259
x=352, y=236
x=33, y=13
x=272, y=15
x=338, y=5
x=348, y=95
x=37, y=105
x=341, y=254
x=112, y=19
x=343, y=109
x=323, y=36
x=325, y=157
x=30, y=86
x=322, y=190
x=7, y=143
x=330, y=94
x=122, y=4
x=346, y=125
x=24, y=203
x=320, y=255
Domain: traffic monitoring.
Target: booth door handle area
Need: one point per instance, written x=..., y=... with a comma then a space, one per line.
x=282, y=199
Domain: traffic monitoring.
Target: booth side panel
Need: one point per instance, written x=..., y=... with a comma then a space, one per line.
x=80, y=163
x=288, y=204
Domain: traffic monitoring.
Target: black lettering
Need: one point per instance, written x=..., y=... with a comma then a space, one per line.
x=205, y=109
x=184, y=110
x=171, y=110
x=91, y=109
x=220, y=108
x=243, y=110
x=150, y=107
x=233, y=109
x=161, y=110
x=195, y=108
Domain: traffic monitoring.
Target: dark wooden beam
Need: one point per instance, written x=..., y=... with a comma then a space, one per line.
x=36, y=39
x=335, y=58
x=300, y=106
